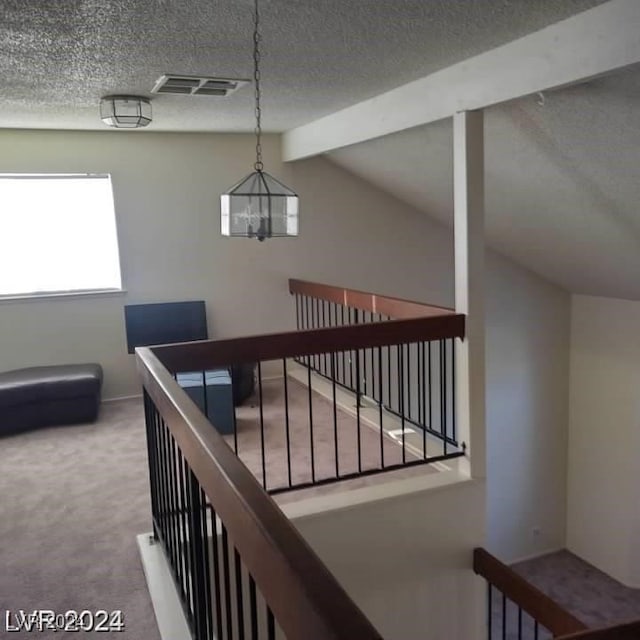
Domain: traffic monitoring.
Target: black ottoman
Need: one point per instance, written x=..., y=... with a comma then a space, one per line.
x=42, y=396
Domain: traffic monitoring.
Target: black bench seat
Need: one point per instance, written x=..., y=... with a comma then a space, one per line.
x=54, y=395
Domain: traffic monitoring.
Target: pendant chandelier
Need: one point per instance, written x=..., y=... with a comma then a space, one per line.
x=259, y=206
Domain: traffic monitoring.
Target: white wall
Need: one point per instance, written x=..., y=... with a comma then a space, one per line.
x=604, y=436
x=527, y=411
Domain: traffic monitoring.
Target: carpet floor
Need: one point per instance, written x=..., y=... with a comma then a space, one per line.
x=589, y=594
x=339, y=448
x=73, y=500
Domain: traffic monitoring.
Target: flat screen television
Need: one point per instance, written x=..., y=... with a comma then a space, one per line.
x=164, y=322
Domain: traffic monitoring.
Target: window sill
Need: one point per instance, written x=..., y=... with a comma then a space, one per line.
x=31, y=297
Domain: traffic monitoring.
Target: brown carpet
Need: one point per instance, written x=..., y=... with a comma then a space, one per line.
x=73, y=500
x=325, y=433
x=592, y=596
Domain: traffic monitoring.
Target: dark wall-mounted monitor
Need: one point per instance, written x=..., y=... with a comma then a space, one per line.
x=165, y=322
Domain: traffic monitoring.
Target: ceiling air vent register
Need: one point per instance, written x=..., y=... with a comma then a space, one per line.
x=197, y=86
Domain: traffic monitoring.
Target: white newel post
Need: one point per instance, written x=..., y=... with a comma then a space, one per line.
x=468, y=181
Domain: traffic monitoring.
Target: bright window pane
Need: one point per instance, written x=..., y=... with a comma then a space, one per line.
x=57, y=234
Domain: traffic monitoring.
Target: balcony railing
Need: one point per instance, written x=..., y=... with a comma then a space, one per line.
x=516, y=610
x=240, y=568
x=411, y=385
x=308, y=425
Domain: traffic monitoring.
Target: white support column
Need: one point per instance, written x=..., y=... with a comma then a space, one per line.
x=468, y=170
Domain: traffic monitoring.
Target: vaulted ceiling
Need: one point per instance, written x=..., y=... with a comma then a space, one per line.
x=562, y=182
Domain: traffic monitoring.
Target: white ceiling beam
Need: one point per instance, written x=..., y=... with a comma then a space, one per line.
x=586, y=45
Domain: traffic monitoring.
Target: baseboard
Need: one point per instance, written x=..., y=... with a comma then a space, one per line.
x=137, y=396
x=537, y=554
x=170, y=617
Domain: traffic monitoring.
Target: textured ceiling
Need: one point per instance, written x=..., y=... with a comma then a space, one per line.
x=57, y=58
x=562, y=178
x=562, y=183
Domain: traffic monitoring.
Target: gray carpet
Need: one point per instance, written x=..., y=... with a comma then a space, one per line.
x=73, y=500
x=590, y=595
x=586, y=592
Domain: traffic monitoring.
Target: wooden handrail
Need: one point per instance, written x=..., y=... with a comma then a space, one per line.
x=386, y=305
x=307, y=601
x=529, y=598
x=626, y=631
x=209, y=354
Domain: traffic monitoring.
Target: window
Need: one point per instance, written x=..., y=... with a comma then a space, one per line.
x=57, y=234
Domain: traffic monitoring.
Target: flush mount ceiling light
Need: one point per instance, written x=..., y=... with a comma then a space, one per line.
x=125, y=112
x=258, y=206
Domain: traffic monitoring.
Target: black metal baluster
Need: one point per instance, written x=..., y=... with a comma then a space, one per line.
x=316, y=357
x=162, y=467
x=271, y=625
x=148, y=410
x=286, y=417
x=216, y=574
x=262, y=453
x=196, y=543
x=239, y=599
x=176, y=547
x=429, y=387
x=227, y=583
x=407, y=383
x=235, y=422
x=253, y=608
x=344, y=353
x=335, y=413
x=504, y=617
x=207, y=565
x=297, y=297
x=389, y=404
x=519, y=623
x=183, y=520
x=400, y=363
x=205, y=399
x=307, y=301
x=324, y=324
x=313, y=464
x=443, y=386
x=364, y=356
x=419, y=368
x=354, y=354
x=490, y=611
x=380, y=409
x=454, y=436
x=358, y=406
x=424, y=402
x=164, y=438
x=535, y=629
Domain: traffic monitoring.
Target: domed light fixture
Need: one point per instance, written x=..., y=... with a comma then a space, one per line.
x=259, y=206
x=125, y=112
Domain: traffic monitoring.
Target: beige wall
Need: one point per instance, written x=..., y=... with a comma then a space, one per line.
x=166, y=197
x=604, y=436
